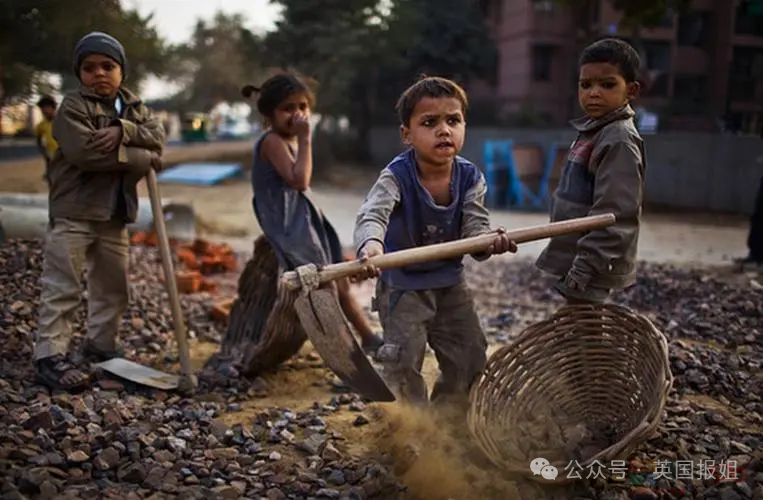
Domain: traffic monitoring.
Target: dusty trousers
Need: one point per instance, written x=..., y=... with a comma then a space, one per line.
x=71, y=246
x=445, y=319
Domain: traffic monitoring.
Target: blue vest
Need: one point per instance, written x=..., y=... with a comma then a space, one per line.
x=418, y=221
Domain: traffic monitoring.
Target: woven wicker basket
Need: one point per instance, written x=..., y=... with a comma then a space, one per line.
x=589, y=383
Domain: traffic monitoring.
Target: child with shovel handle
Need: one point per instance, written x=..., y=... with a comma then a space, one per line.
x=428, y=195
x=108, y=140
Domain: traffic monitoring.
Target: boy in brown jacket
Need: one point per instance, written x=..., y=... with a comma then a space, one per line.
x=604, y=174
x=108, y=140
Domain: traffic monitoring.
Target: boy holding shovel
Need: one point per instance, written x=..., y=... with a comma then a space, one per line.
x=428, y=195
x=108, y=140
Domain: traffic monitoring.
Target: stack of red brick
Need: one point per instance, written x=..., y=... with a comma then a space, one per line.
x=197, y=261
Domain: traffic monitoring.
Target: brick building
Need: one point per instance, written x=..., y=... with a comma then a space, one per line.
x=704, y=64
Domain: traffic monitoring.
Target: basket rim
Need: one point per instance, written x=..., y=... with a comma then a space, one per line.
x=513, y=351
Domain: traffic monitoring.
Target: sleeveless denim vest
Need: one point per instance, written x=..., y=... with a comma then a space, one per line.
x=417, y=220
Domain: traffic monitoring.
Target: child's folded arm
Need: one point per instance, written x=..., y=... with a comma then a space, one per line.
x=618, y=190
x=475, y=219
x=73, y=130
x=148, y=135
x=373, y=217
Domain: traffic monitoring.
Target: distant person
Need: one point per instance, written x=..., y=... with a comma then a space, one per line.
x=754, y=258
x=425, y=195
x=282, y=171
x=604, y=174
x=108, y=141
x=46, y=143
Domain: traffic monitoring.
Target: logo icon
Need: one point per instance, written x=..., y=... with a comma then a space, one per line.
x=537, y=465
x=549, y=472
x=544, y=468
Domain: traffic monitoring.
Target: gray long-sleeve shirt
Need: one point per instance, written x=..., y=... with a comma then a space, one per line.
x=373, y=217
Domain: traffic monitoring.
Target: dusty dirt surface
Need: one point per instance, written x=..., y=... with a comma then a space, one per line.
x=25, y=175
x=711, y=315
x=248, y=440
x=225, y=211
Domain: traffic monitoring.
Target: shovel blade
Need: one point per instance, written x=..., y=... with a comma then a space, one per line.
x=140, y=374
x=326, y=327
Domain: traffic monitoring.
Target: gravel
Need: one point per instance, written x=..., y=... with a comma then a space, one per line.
x=118, y=440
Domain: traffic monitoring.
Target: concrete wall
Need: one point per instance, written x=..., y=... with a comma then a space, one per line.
x=706, y=172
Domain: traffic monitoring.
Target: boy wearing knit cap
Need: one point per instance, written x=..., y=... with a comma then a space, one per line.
x=108, y=140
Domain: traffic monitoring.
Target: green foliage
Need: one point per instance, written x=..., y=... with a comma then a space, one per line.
x=635, y=13
x=221, y=56
x=647, y=13
x=364, y=53
x=332, y=42
x=39, y=36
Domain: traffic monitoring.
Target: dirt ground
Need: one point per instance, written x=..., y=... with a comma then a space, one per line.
x=225, y=213
x=226, y=210
x=439, y=471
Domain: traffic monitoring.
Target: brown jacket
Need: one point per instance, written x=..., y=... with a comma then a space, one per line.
x=604, y=174
x=87, y=184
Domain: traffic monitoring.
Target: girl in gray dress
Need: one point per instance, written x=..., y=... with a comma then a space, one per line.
x=281, y=173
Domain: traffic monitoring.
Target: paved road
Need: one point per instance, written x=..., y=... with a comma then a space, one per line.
x=678, y=239
x=20, y=149
x=25, y=175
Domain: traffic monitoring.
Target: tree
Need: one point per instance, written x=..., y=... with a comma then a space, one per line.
x=365, y=52
x=40, y=36
x=454, y=40
x=327, y=40
x=218, y=60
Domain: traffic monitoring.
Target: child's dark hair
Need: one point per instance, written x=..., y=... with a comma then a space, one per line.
x=428, y=86
x=616, y=52
x=275, y=89
x=46, y=101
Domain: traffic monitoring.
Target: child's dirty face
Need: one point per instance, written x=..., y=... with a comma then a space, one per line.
x=436, y=130
x=602, y=89
x=48, y=112
x=283, y=117
x=102, y=74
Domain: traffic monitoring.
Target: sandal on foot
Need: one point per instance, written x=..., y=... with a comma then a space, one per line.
x=58, y=373
x=371, y=345
x=101, y=355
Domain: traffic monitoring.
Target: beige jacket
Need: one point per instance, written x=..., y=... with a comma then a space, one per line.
x=87, y=184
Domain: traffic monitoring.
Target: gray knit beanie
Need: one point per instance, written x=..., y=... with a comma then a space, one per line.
x=100, y=43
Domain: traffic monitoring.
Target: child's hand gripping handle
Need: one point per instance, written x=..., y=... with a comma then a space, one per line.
x=451, y=249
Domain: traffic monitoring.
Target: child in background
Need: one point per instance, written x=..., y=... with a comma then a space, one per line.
x=428, y=195
x=108, y=140
x=281, y=174
x=46, y=143
x=604, y=174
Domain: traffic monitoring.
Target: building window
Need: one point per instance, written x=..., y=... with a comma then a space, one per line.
x=543, y=5
x=542, y=58
x=745, y=66
x=749, y=18
x=693, y=28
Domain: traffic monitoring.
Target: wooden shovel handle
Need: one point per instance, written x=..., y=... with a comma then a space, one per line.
x=452, y=249
x=169, y=279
